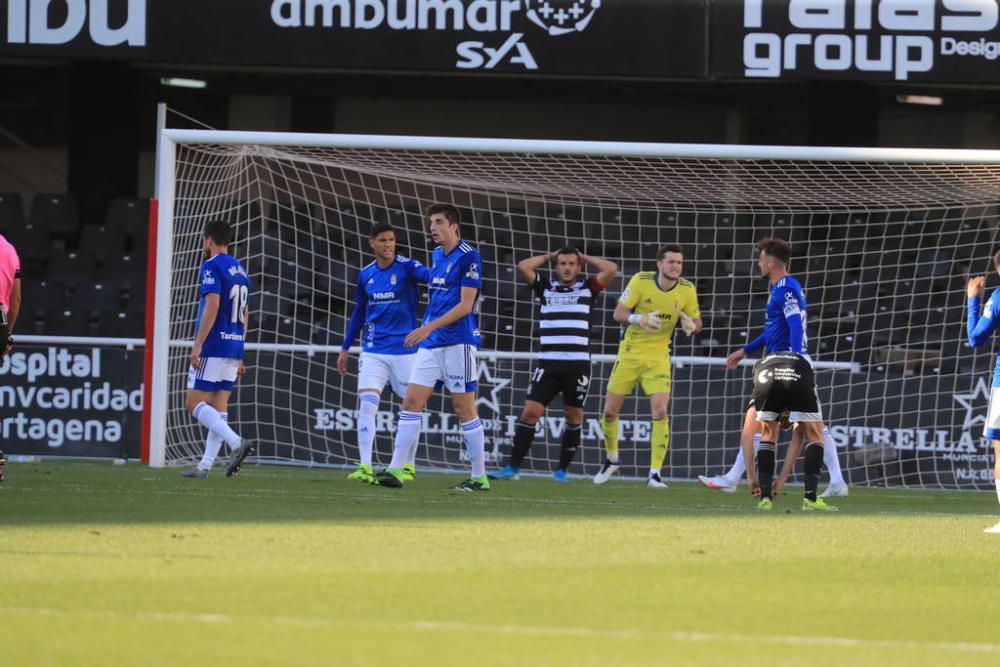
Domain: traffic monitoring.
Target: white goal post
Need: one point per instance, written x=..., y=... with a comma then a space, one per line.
x=882, y=240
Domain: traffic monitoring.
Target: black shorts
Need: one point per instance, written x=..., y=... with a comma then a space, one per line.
x=784, y=382
x=571, y=378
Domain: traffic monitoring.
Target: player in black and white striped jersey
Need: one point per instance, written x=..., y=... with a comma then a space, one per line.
x=563, y=366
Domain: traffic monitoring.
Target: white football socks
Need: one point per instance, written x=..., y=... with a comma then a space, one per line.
x=830, y=458
x=210, y=418
x=411, y=452
x=472, y=432
x=213, y=443
x=367, y=407
x=735, y=473
x=407, y=431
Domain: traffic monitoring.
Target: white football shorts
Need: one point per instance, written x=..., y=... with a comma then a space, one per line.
x=992, y=427
x=375, y=370
x=453, y=366
x=216, y=373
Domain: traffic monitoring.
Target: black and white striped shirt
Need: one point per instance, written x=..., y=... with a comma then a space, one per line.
x=564, y=329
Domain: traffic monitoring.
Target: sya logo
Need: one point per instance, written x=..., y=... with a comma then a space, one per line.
x=556, y=17
x=29, y=22
x=899, y=37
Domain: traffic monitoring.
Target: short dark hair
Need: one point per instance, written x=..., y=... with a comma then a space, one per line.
x=777, y=248
x=449, y=211
x=669, y=247
x=568, y=250
x=219, y=231
x=996, y=260
x=380, y=227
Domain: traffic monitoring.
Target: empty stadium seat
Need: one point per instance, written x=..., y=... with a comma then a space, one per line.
x=72, y=267
x=58, y=212
x=36, y=291
x=124, y=267
x=128, y=214
x=67, y=322
x=99, y=296
x=32, y=241
x=11, y=212
x=101, y=242
x=120, y=324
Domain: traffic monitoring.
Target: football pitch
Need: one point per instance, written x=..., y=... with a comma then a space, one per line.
x=106, y=565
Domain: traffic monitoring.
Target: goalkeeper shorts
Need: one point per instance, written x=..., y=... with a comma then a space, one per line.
x=652, y=374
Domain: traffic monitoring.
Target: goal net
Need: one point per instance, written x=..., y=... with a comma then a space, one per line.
x=882, y=240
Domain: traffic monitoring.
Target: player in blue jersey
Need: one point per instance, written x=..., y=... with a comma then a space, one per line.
x=980, y=330
x=783, y=382
x=217, y=353
x=385, y=312
x=448, y=341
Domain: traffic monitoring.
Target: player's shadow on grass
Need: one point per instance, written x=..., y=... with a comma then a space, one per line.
x=94, y=493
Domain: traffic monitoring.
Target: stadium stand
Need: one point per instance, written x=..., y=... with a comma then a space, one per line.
x=11, y=212
x=58, y=213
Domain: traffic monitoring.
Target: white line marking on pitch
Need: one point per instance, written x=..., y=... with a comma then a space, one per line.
x=523, y=630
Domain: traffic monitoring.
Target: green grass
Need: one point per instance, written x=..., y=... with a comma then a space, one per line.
x=105, y=565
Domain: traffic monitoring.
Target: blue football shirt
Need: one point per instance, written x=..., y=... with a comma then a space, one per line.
x=225, y=276
x=981, y=326
x=462, y=267
x=385, y=308
x=785, y=318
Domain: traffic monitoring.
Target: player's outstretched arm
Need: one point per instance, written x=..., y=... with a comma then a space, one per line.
x=529, y=267
x=606, y=269
x=734, y=358
x=419, y=272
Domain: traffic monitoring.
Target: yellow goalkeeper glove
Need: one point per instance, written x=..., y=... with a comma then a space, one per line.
x=648, y=321
x=687, y=324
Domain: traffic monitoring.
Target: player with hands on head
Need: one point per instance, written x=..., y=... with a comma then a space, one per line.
x=566, y=301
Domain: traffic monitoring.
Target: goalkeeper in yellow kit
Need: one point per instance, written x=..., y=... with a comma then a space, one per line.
x=652, y=305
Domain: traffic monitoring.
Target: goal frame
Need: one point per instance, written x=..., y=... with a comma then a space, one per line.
x=160, y=275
